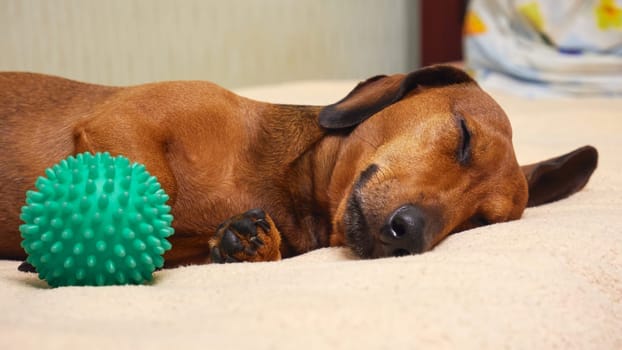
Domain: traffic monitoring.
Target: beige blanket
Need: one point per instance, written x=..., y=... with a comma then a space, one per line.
x=550, y=280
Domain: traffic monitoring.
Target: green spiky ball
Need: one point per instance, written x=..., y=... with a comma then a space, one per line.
x=96, y=220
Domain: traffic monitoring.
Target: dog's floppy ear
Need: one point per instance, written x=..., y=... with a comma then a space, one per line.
x=374, y=94
x=559, y=177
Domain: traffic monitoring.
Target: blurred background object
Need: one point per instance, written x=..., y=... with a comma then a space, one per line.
x=546, y=47
x=233, y=43
x=441, y=30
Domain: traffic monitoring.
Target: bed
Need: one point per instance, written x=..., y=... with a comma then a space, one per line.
x=550, y=280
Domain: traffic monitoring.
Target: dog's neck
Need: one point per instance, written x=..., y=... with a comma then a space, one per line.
x=310, y=156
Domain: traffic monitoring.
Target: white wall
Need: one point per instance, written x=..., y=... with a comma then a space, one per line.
x=232, y=42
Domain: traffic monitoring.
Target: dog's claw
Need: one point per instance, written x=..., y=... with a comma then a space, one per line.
x=257, y=213
x=263, y=224
x=238, y=239
x=257, y=241
x=250, y=251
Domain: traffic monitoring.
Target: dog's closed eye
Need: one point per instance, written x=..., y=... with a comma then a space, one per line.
x=464, y=146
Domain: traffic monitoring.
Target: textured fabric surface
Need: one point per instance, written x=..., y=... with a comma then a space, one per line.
x=550, y=280
x=546, y=47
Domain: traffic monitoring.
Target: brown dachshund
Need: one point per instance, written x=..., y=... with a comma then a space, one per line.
x=393, y=168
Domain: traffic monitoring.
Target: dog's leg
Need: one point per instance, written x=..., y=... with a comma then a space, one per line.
x=131, y=140
x=251, y=236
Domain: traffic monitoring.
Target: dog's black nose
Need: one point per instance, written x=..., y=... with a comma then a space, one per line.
x=403, y=231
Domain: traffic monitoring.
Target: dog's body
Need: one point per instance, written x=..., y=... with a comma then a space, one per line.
x=436, y=158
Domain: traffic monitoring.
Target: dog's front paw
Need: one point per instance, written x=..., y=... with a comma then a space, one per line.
x=251, y=236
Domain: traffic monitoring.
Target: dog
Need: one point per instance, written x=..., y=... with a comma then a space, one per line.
x=391, y=169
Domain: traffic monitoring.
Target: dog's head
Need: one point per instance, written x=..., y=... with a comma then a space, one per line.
x=427, y=154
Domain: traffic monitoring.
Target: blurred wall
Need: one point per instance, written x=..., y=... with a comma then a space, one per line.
x=233, y=43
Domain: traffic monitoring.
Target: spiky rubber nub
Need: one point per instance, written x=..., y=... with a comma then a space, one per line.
x=96, y=220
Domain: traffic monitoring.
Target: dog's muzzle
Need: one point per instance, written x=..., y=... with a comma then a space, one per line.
x=401, y=233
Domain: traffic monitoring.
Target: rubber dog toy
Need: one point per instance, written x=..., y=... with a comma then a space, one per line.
x=96, y=220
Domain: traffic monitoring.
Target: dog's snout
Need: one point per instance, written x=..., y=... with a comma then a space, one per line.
x=403, y=231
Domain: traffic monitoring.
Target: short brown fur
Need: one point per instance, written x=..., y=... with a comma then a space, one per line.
x=218, y=155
